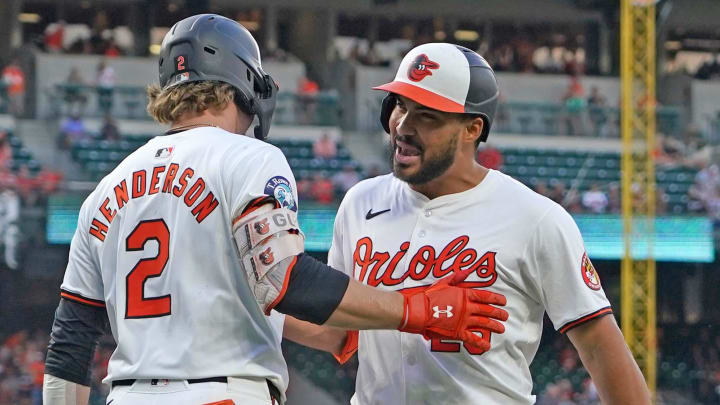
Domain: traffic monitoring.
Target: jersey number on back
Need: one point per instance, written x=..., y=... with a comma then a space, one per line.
x=440, y=345
x=137, y=305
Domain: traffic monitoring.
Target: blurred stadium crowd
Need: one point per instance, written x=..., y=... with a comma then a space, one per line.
x=59, y=136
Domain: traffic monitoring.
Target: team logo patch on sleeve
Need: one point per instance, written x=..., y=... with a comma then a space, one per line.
x=589, y=274
x=280, y=188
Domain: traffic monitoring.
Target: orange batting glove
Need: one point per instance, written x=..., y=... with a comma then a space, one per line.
x=449, y=312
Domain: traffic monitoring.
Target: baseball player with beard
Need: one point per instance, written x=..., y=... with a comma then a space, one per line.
x=187, y=246
x=439, y=213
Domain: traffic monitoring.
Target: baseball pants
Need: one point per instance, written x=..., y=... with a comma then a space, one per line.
x=237, y=391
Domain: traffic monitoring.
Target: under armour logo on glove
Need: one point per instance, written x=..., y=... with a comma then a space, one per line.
x=437, y=311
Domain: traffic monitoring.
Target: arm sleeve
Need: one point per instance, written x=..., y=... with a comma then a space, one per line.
x=314, y=290
x=83, y=279
x=76, y=330
x=267, y=174
x=567, y=282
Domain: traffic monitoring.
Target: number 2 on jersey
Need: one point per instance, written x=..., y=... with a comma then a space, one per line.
x=440, y=345
x=137, y=305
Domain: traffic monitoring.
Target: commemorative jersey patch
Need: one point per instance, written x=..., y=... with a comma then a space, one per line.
x=280, y=188
x=589, y=274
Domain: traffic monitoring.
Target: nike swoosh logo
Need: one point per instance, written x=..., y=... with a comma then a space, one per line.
x=371, y=215
x=110, y=402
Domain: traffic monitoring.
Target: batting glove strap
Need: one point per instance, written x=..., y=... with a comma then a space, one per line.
x=436, y=312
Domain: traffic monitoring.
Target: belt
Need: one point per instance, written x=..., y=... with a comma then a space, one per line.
x=274, y=392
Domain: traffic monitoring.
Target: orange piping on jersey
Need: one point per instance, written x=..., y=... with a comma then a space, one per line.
x=82, y=300
x=224, y=402
x=284, y=288
x=577, y=322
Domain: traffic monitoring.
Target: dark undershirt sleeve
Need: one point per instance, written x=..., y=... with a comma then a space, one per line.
x=76, y=331
x=314, y=290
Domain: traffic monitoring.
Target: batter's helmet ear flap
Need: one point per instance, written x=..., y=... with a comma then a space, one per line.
x=264, y=106
x=486, y=128
x=388, y=104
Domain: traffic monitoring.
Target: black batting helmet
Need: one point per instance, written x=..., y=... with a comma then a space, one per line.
x=212, y=47
x=444, y=77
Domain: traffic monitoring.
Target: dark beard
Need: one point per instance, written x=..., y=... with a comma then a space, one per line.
x=430, y=169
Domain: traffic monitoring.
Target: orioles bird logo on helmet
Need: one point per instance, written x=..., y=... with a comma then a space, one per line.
x=267, y=257
x=262, y=227
x=420, y=68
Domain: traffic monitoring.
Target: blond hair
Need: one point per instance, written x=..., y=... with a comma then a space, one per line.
x=168, y=105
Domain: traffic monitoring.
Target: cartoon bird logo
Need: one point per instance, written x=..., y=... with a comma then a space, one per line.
x=267, y=257
x=262, y=227
x=420, y=68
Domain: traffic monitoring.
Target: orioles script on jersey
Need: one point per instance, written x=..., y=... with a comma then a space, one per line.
x=141, y=184
x=455, y=256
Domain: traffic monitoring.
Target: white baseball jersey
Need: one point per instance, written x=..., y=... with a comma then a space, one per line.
x=154, y=247
x=521, y=245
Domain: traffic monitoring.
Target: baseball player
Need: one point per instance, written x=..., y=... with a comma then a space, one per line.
x=185, y=248
x=440, y=212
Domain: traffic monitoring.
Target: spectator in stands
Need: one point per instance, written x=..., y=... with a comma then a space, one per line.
x=489, y=157
x=111, y=49
x=48, y=181
x=9, y=219
x=304, y=188
x=597, y=112
x=21, y=368
x=575, y=105
x=74, y=96
x=307, y=99
x=594, y=200
x=706, y=190
x=542, y=188
x=72, y=130
x=26, y=186
x=109, y=130
x=105, y=82
x=322, y=190
x=54, y=37
x=14, y=79
x=345, y=179
x=710, y=69
x=325, y=147
x=661, y=201
x=572, y=201
x=558, y=191
x=614, y=202
x=5, y=151
x=668, y=151
x=595, y=99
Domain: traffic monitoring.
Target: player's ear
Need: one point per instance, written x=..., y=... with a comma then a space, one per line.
x=473, y=128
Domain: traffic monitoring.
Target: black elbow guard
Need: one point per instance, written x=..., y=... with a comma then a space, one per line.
x=314, y=290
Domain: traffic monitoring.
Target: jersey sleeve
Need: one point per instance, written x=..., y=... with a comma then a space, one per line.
x=336, y=256
x=568, y=284
x=83, y=280
x=266, y=174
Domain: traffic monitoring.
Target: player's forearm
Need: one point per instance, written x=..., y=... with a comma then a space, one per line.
x=57, y=391
x=611, y=365
x=319, y=337
x=364, y=307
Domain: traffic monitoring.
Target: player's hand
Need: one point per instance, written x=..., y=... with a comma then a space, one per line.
x=447, y=311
